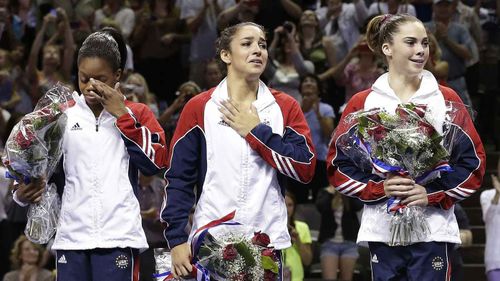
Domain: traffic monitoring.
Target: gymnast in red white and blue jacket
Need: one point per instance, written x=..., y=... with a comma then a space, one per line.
x=236, y=143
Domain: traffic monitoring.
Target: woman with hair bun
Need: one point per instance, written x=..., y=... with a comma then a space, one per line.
x=106, y=142
x=236, y=143
x=402, y=41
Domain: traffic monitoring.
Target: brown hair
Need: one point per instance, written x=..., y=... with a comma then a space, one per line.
x=224, y=40
x=381, y=29
x=15, y=254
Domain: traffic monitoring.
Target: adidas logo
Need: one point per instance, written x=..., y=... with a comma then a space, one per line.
x=62, y=259
x=76, y=127
x=223, y=123
x=375, y=259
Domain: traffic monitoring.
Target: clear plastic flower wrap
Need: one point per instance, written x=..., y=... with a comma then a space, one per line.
x=33, y=150
x=227, y=250
x=412, y=142
x=43, y=216
x=163, y=263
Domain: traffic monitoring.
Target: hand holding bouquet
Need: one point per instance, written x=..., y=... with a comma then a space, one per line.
x=222, y=250
x=404, y=143
x=33, y=150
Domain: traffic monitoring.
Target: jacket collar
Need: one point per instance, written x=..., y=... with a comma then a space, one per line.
x=264, y=96
x=428, y=86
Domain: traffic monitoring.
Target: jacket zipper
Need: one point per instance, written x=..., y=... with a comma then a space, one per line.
x=97, y=124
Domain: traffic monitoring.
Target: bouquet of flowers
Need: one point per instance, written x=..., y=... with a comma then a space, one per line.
x=222, y=250
x=404, y=143
x=33, y=150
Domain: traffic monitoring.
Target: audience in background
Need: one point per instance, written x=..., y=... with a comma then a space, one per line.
x=338, y=234
x=25, y=258
x=491, y=218
x=171, y=40
x=300, y=255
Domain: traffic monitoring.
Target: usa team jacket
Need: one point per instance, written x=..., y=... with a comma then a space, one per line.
x=467, y=161
x=101, y=159
x=235, y=173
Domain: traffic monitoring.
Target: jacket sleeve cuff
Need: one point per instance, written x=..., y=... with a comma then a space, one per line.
x=16, y=199
x=176, y=241
x=435, y=199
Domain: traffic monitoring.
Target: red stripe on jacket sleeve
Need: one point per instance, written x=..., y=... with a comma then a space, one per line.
x=140, y=127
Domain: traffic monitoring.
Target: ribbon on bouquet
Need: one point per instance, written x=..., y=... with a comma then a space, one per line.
x=199, y=272
x=25, y=179
x=382, y=169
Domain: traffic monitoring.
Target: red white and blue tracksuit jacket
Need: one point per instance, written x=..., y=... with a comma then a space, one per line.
x=235, y=173
x=467, y=161
x=101, y=160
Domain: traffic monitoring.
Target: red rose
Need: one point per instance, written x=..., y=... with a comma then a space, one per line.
x=24, y=141
x=229, y=253
x=269, y=275
x=420, y=110
x=426, y=128
x=402, y=113
x=66, y=105
x=268, y=253
x=378, y=133
x=261, y=239
x=374, y=117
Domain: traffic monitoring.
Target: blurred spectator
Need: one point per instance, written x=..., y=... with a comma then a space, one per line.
x=357, y=71
x=338, y=233
x=312, y=5
x=201, y=18
x=455, y=43
x=467, y=16
x=4, y=239
x=341, y=22
x=491, y=217
x=213, y=74
x=8, y=97
x=150, y=197
x=287, y=64
x=23, y=13
x=136, y=89
x=78, y=10
x=245, y=10
x=4, y=117
x=300, y=254
x=312, y=45
x=383, y=7
x=320, y=118
x=26, y=257
x=114, y=13
x=55, y=67
x=457, y=263
x=157, y=40
x=16, y=215
x=7, y=36
x=274, y=13
x=435, y=64
x=21, y=83
x=168, y=119
x=423, y=9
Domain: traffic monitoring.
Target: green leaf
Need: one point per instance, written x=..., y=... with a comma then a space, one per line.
x=245, y=252
x=269, y=264
x=204, y=252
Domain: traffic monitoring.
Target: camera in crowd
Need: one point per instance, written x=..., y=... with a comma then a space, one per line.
x=287, y=29
x=288, y=26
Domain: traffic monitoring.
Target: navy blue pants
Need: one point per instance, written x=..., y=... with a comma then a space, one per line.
x=427, y=261
x=115, y=264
